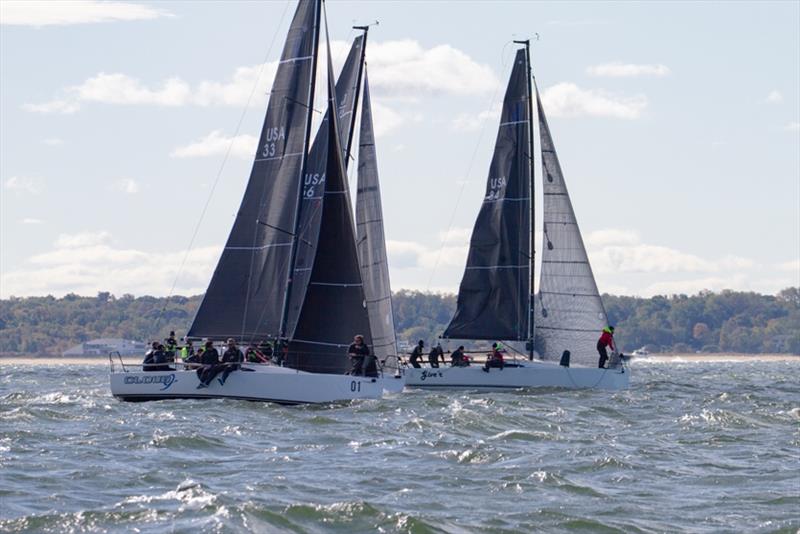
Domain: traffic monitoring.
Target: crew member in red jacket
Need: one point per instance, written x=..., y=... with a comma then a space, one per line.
x=606, y=340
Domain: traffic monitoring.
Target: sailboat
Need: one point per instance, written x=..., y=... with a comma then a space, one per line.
x=557, y=327
x=290, y=270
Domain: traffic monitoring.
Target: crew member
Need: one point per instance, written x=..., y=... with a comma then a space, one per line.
x=494, y=359
x=458, y=359
x=434, y=355
x=232, y=357
x=171, y=344
x=210, y=365
x=416, y=354
x=606, y=340
x=357, y=351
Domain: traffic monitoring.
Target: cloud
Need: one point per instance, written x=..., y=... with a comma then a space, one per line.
x=793, y=126
x=58, y=105
x=89, y=262
x=53, y=141
x=451, y=252
x=64, y=12
x=82, y=239
x=774, y=97
x=627, y=70
x=126, y=186
x=216, y=143
x=471, y=123
x=568, y=100
x=30, y=220
x=386, y=119
x=401, y=67
x=397, y=69
x=24, y=184
x=611, y=236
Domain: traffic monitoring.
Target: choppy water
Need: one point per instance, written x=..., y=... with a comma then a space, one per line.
x=691, y=447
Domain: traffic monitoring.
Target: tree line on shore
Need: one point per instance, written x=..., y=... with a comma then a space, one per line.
x=726, y=321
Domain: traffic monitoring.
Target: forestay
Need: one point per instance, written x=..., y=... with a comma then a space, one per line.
x=371, y=241
x=334, y=307
x=246, y=294
x=569, y=311
x=493, y=299
x=310, y=215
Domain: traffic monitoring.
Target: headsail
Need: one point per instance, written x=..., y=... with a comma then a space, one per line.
x=493, y=300
x=245, y=296
x=334, y=308
x=569, y=310
x=371, y=241
x=310, y=215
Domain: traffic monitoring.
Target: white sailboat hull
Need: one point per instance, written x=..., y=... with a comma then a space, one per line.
x=265, y=383
x=527, y=375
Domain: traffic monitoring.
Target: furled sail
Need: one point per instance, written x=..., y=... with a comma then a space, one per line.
x=493, y=300
x=371, y=242
x=568, y=309
x=334, y=307
x=310, y=215
x=246, y=295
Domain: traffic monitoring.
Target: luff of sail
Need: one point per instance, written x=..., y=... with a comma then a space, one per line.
x=371, y=241
x=493, y=299
x=245, y=296
x=569, y=311
x=334, y=309
x=310, y=214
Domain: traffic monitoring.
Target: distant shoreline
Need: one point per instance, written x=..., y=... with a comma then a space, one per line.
x=29, y=359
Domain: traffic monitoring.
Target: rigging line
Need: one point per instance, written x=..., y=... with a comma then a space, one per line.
x=464, y=182
x=221, y=168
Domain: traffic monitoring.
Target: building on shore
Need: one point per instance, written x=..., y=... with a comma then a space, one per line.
x=105, y=345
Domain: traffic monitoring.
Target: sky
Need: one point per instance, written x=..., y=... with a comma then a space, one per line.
x=677, y=125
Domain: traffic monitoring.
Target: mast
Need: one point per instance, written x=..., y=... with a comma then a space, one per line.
x=349, y=144
x=531, y=319
x=292, y=256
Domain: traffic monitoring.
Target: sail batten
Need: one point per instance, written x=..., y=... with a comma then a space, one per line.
x=493, y=298
x=246, y=293
x=372, y=242
x=568, y=308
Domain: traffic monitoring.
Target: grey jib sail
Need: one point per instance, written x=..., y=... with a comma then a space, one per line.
x=371, y=241
x=569, y=311
x=493, y=300
x=245, y=296
x=315, y=175
x=334, y=307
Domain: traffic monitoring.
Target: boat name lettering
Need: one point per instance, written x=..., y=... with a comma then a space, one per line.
x=167, y=380
x=430, y=374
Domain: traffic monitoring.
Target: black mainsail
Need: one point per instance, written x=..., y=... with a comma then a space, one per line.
x=334, y=307
x=308, y=227
x=246, y=295
x=494, y=296
x=371, y=241
x=569, y=311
